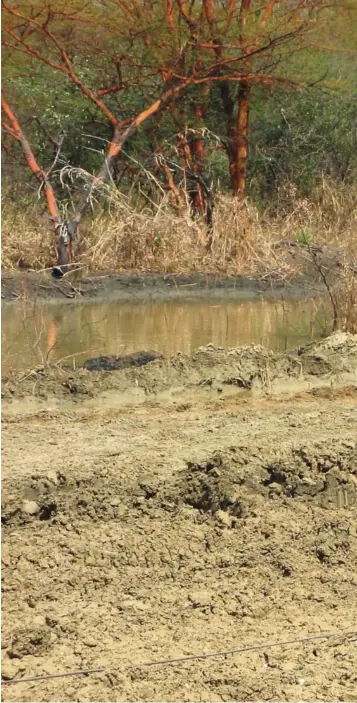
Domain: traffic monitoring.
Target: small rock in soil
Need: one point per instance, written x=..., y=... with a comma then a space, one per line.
x=10, y=669
x=30, y=507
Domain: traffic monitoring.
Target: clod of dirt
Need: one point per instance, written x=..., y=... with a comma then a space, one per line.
x=231, y=484
x=10, y=669
x=116, y=363
x=54, y=477
x=148, y=486
x=217, y=486
x=329, y=475
x=33, y=641
x=44, y=509
x=224, y=518
x=211, y=488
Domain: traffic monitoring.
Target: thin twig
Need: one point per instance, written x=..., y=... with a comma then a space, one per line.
x=74, y=266
x=193, y=657
x=57, y=154
x=49, y=171
x=249, y=648
x=320, y=269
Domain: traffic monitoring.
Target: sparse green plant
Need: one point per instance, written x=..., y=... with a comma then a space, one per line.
x=303, y=239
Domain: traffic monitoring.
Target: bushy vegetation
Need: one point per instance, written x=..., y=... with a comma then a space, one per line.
x=82, y=75
x=300, y=139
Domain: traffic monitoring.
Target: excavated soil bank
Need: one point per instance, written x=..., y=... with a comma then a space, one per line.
x=182, y=520
x=210, y=372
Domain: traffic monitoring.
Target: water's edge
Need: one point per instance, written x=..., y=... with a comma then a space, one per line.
x=35, y=287
x=35, y=334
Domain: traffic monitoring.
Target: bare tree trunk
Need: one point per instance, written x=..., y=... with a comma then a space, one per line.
x=12, y=127
x=240, y=181
x=197, y=151
x=237, y=133
x=231, y=129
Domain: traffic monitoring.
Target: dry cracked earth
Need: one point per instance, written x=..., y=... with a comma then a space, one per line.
x=188, y=506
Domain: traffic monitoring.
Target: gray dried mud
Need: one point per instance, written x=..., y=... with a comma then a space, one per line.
x=151, y=513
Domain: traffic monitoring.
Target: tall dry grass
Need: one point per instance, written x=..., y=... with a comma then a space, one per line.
x=122, y=236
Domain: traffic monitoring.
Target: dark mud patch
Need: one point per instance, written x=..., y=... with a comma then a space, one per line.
x=117, y=363
x=210, y=372
x=29, y=642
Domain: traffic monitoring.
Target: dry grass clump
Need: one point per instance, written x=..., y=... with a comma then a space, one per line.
x=163, y=242
x=152, y=237
x=123, y=236
x=27, y=240
x=343, y=295
x=329, y=216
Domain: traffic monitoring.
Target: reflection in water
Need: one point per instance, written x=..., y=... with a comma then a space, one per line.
x=33, y=334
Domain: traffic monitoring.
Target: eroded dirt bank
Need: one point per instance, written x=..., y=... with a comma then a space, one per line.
x=149, y=513
x=211, y=373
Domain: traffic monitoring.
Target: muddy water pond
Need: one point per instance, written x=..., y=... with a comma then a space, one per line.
x=34, y=334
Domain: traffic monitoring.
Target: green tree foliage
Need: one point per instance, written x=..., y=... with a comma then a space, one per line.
x=296, y=136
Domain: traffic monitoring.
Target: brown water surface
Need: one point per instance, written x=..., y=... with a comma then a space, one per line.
x=34, y=334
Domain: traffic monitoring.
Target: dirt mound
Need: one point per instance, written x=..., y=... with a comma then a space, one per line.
x=235, y=481
x=57, y=497
x=229, y=484
x=210, y=369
